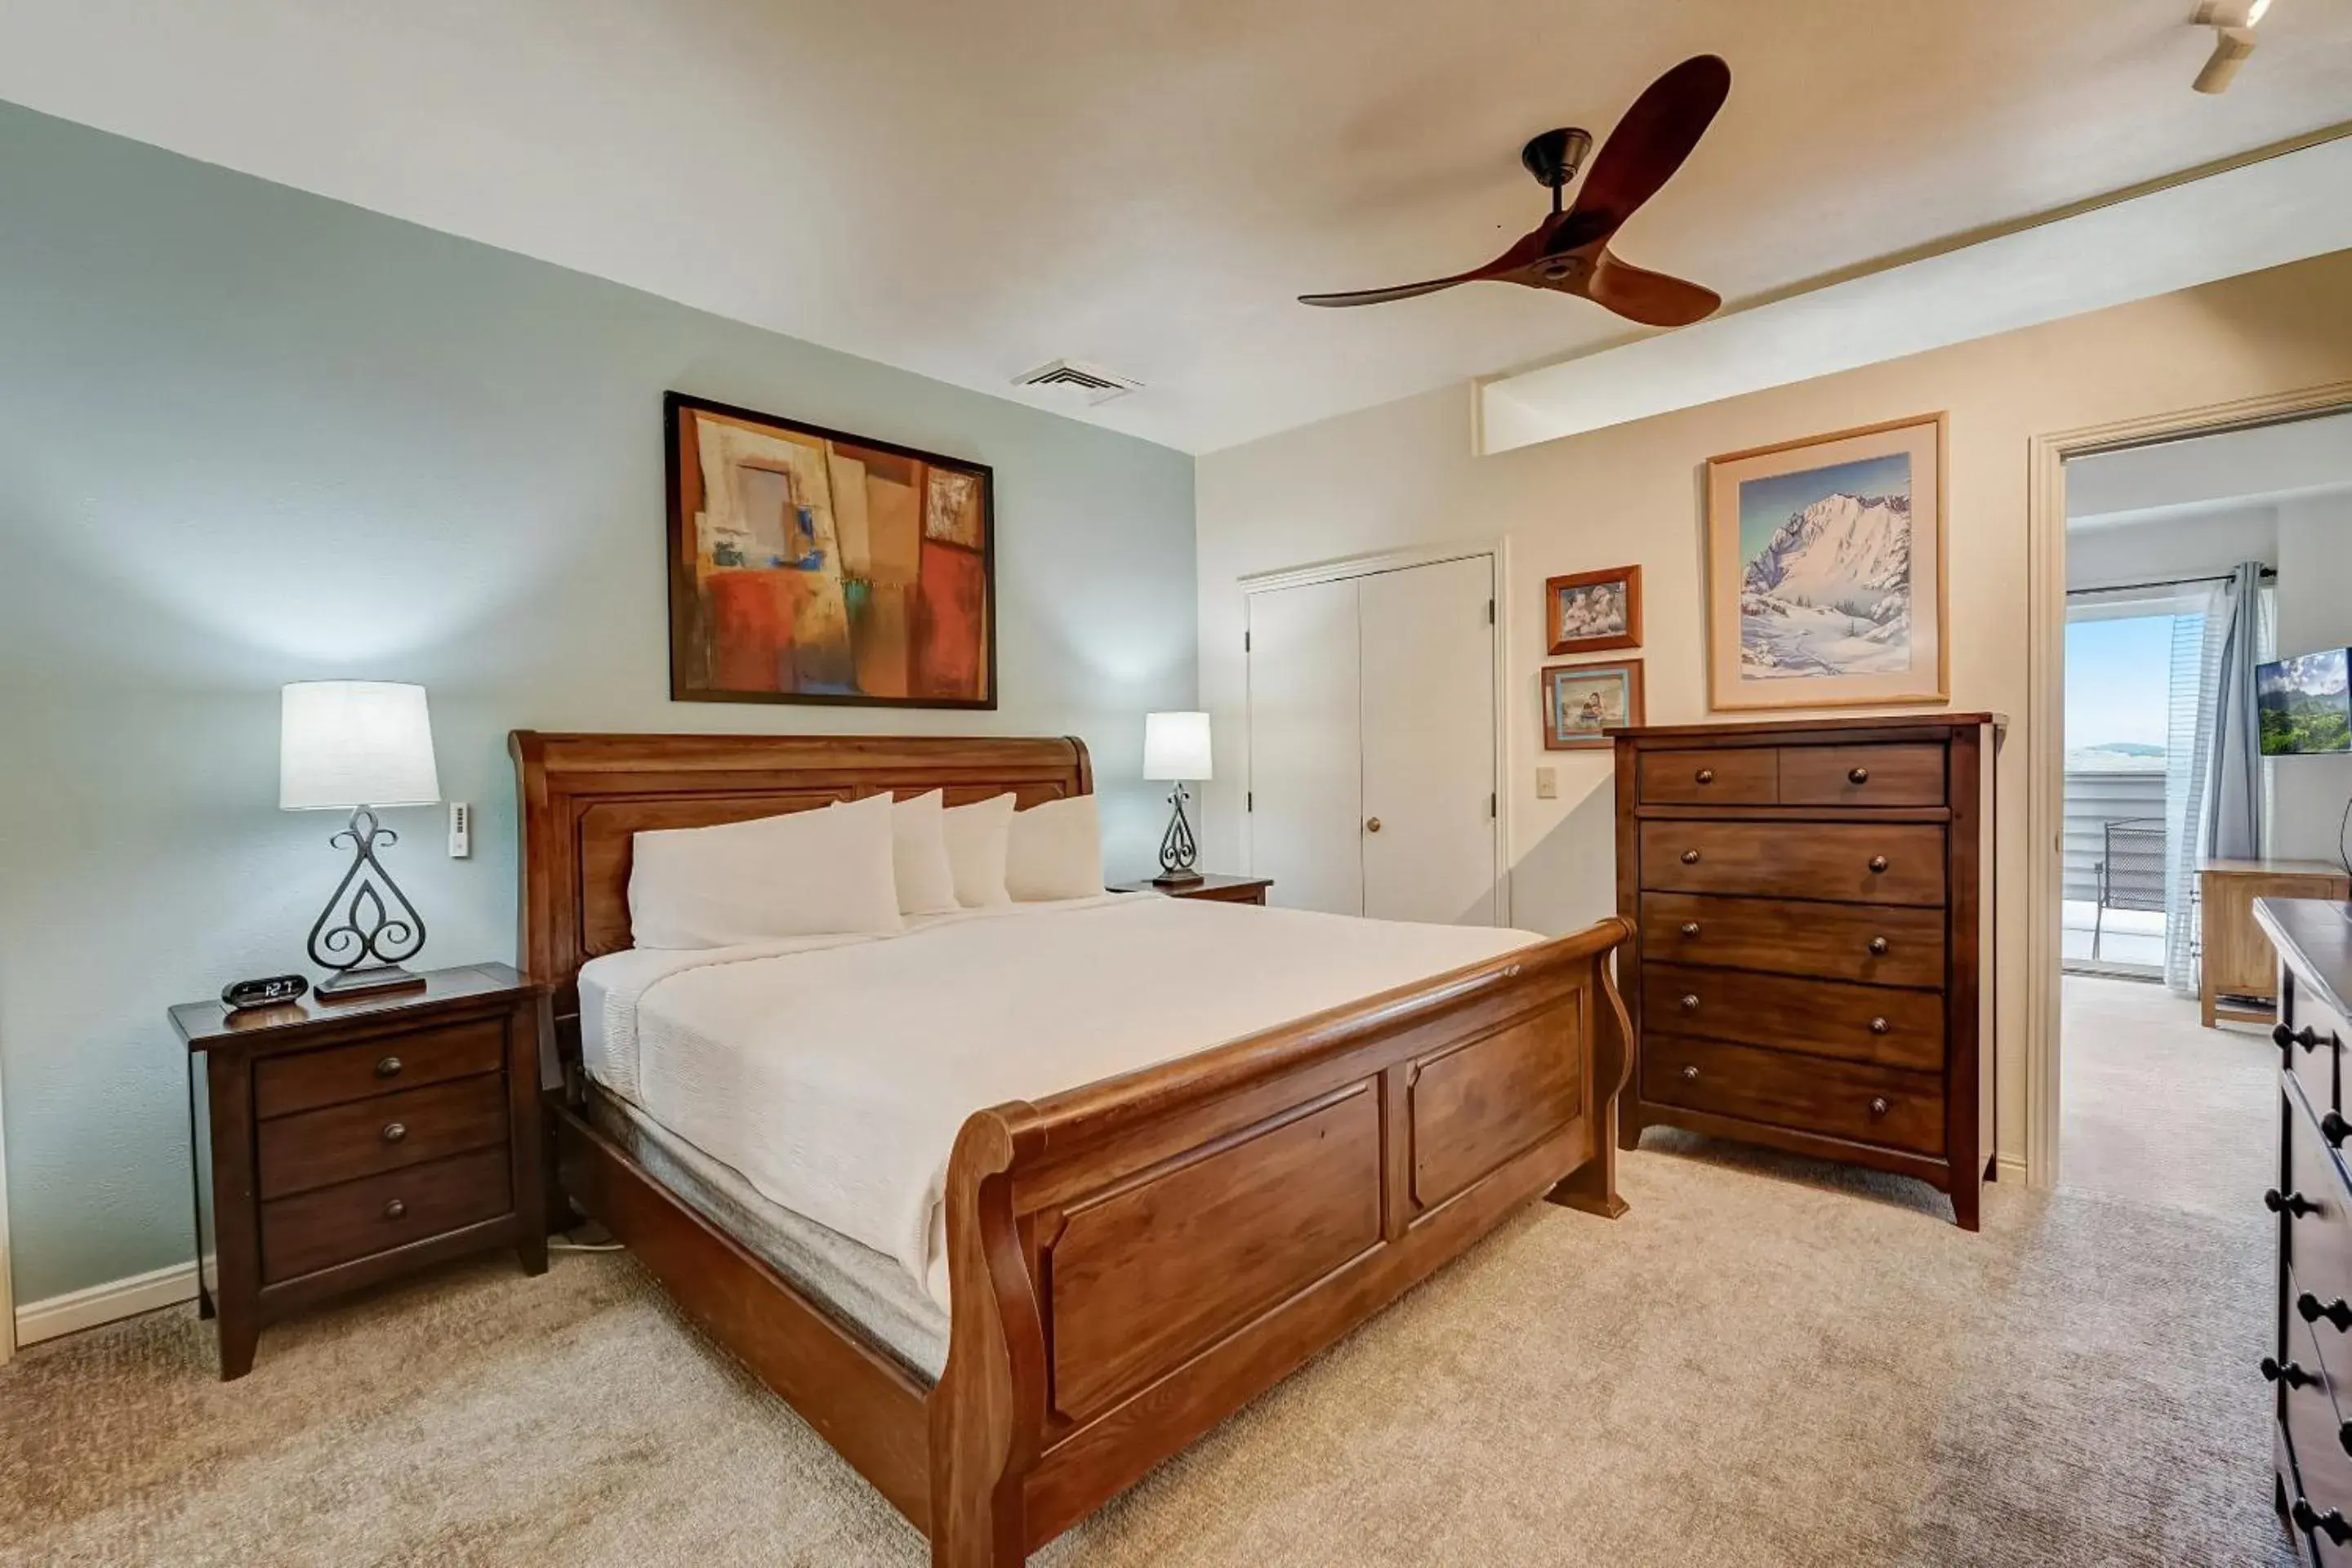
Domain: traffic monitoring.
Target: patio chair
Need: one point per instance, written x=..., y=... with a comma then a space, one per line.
x=2131, y=874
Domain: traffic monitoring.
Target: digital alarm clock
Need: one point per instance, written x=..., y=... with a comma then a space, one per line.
x=238, y=995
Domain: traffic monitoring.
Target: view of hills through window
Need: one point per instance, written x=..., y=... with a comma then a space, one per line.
x=2118, y=694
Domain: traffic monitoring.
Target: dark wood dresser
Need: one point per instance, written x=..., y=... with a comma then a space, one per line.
x=1813, y=964
x=340, y=1144
x=2310, y=1366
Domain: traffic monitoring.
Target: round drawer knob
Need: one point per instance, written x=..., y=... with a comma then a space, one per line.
x=1858, y=775
x=1878, y=862
x=1879, y=1025
x=1690, y=1075
x=395, y=1209
x=1878, y=1107
x=393, y=1132
x=388, y=1068
x=1705, y=775
x=1690, y=856
x=1878, y=947
x=1690, y=1002
x=1690, y=928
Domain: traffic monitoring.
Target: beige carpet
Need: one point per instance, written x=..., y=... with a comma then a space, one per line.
x=1765, y=1362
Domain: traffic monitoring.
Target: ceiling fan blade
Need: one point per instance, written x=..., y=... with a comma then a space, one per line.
x=1650, y=298
x=1650, y=142
x=1527, y=248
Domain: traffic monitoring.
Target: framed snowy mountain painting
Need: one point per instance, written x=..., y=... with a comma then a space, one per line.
x=1826, y=570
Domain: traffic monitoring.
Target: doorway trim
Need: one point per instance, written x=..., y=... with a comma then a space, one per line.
x=1497, y=552
x=7, y=1278
x=2046, y=533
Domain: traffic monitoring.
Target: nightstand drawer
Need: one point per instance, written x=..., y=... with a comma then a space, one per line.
x=318, y=1229
x=342, y=1142
x=284, y=1085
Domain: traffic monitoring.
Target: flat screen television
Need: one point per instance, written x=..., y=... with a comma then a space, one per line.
x=2304, y=704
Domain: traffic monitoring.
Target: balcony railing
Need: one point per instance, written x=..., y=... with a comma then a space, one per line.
x=2095, y=797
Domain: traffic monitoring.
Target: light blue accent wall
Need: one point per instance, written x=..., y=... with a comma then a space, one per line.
x=250, y=436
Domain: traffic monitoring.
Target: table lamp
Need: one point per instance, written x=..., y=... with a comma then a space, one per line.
x=356, y=747
x=1175, y=749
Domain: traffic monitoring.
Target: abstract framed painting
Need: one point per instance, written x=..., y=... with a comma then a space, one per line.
x=808, y=565
x=1592, y=611
x=1583, y=702
x=1826, y=570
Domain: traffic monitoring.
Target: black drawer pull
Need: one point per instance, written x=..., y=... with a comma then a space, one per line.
x=1690, y=1002
x=1690, y=1075
x=2307, y=1038
x=1878, y=862
x=2338, y=1311
x=2344, y=1436
x=1690, y=928
x=2330, y=1524
x=1705, y=775
x=1878, y=947
x=388, y=1068
x=1690, y=856
x=2294, y=1375
x=393, y=1132
x=2334, y=1129
x=1879, y=1025
x=396, y=1210
x=1878, y=1106
x=2294, y=1206
x=1858, y=775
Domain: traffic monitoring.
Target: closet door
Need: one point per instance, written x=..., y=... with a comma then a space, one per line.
x=1305, y=747
x=1427, y=699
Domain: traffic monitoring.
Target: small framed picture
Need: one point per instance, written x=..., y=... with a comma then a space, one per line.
x=1583, y=700
x=1592, y=611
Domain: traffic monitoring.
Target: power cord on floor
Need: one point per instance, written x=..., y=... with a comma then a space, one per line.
x=591, y=1237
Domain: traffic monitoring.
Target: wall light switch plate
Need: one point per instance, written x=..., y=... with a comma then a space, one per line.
x=461, y=830
x=1547, y=784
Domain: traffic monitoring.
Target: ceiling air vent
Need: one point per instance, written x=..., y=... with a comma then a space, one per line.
x=1069, y=378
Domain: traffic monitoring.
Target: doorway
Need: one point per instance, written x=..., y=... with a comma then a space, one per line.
x=1374, y=738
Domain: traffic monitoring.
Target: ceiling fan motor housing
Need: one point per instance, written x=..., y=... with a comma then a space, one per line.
x=1554, y=157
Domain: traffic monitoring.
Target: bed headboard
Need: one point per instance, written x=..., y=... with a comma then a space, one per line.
x=583, y=795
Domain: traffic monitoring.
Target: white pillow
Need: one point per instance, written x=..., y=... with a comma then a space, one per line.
x=1056, y=851
x=806, y=873
x=919, y=855
x=976, y=835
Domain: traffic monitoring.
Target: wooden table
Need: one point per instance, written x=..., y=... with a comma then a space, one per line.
x=2235, y=959
x=1216, y=888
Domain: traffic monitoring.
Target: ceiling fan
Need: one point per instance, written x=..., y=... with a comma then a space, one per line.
x=1570, y=251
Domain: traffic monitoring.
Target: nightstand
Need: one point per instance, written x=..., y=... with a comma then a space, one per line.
x=342, y=1144
x=1216, y=889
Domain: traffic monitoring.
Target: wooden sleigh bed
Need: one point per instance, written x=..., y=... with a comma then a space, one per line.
x=1129, y=1261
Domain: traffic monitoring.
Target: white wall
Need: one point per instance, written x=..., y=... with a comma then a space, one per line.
x=1403, y=473
x=2315, y=611
x=2166, y=549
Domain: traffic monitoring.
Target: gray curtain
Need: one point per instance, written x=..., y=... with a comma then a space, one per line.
x=2233, y=791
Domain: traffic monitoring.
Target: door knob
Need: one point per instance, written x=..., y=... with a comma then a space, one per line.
x=1372, y=824
x=1858, y=775
x=1878, y=947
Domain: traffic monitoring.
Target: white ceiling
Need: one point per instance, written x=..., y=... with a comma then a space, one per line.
x=968, y=190
x=2210, y=474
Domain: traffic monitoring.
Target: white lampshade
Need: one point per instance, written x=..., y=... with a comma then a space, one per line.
x=1176, y=746
x=346, y=743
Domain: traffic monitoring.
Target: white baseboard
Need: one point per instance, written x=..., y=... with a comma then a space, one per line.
x=2012, y=1168
x=86, y=1308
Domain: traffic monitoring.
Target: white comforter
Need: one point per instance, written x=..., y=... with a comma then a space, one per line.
x=833, y=1072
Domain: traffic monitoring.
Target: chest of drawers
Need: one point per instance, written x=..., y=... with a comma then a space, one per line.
x=1813, y=967
x=2310, y=1365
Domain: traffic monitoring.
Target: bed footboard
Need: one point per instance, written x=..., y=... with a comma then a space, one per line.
x=1133, y=1261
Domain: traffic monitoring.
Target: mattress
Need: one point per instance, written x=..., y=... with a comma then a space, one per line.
x=832, y=1074
x=866, y=1287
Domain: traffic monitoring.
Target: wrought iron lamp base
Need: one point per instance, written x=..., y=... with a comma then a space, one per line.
x=1179, y=853
x=369, y=979
x=370, y=940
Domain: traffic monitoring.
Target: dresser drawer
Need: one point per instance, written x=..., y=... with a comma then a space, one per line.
x=1824, y=1017
x=1814, y=1094
x=1727, y=776
x=2316, y=1064
x=1861, y=775
x=2318, y=1239
x=283, y=1085
x=1877, y=946
x=342, y=1142
x=1864, y=863
x=327, y=1226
